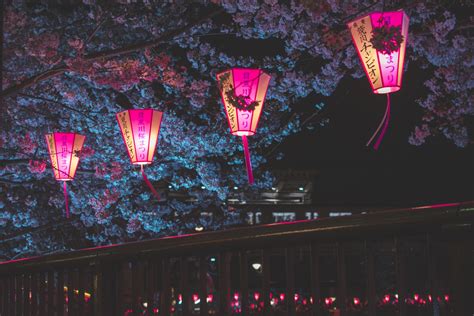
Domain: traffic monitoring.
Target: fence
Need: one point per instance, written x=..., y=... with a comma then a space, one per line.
x=416, y=261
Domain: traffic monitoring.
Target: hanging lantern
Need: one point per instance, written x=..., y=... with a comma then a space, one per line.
x=243, y=93
x=380, y=40
x=140, y=130
x=64, y=149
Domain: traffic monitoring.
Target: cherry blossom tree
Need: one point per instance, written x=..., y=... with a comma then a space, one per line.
x=73, y=68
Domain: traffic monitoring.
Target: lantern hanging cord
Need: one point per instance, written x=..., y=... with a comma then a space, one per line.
x=248, y=162
x=384, y=124
x=155, y=193
x=65, y=198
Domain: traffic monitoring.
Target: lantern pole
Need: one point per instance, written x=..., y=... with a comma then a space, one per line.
x=148, y=183
x=248, y=162
x=65, y=198
x=384, y=123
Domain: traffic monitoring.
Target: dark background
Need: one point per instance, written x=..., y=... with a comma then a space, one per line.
x=398, y=174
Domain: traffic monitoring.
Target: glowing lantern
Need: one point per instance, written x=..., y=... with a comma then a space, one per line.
x=383, y=64
x=140, y=130
x=64, y=151
x=243, y=94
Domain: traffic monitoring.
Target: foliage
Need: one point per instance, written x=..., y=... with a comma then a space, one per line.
x=74, y=92
x=387, y=39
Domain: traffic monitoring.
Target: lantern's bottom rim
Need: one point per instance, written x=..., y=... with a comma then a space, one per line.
x=142, y=163
x=386, y=90
x=243, y=133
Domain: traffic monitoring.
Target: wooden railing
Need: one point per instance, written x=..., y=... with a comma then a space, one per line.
x=416, y=261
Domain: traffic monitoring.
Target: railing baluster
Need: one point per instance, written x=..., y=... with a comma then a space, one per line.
x=244, y=282
x=184, y=286
x=41, y=294
x=97, y=288
x=203, y=286
x=266, y=282
x=341, y=279
x=400, y=272
x=50, y=292
x=290, y=280
x=315, y=280
x=70, y=293
x=26, y=294
x=135, y=287
x=82, y=276
x=12, y=299
x=34, y=293
x=60, y=292
x=165, y=287
x=371, y=298
x=3, y=294
x=18, y=294
x=224, y=283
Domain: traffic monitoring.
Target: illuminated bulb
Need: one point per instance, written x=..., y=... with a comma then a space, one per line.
x=210, y=298
x=301, y=188
x=236, y=188
x=203, y=187
x=356, y=301
x=199, y=228
x=386, y=298
x=145, y=304
x=327, y=301
x=282, y=296
x=256, y=266
x=236, y=296
x=213, y=259
x=256, y=296
x=169, y=187
x=273, y=189
x=296, y=297
x=416, y=297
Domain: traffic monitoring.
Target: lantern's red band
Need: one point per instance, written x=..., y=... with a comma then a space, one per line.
x=387, y=118
x=155, y=193
x=65, y=198
x=384, y=124
x=248, y=162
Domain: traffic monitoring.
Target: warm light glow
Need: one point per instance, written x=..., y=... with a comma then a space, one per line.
x=256, y=266
x=199, y=228
x=356, y=301
x=210, y=298
x=384, y=71
x=140, y=130
x=256, y=296
x=282, y=296
x=64, y=150
x=386, y=298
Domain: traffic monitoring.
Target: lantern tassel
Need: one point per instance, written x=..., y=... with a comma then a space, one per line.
x=384, y=124
x=155, y=193
x=248, y=162
x=65, y=198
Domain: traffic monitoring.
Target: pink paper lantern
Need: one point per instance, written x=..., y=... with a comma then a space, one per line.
x=140, y=130
x=64, y=149
x=384, y=69
x=243, y=93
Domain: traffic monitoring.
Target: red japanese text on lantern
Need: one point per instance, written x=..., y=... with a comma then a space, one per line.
x=384, y=71
x=63, y=150
x=140, y=130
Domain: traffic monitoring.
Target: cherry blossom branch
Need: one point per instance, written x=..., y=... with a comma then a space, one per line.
x=14, y=89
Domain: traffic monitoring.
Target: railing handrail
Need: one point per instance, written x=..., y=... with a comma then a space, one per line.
x=418, y=219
